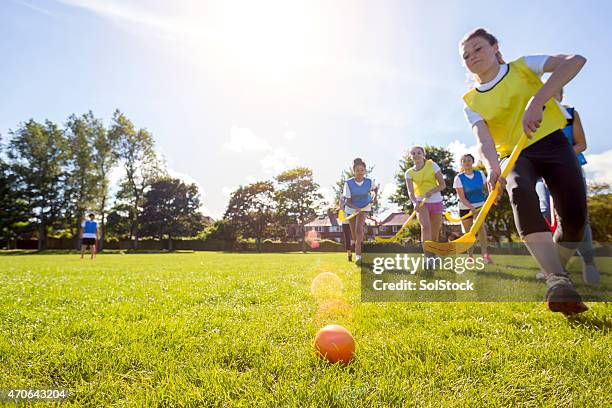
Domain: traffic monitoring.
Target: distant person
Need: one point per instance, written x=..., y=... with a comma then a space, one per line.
x=358, y=198
x=89, y=235
x=470, y=185
x=425, y=182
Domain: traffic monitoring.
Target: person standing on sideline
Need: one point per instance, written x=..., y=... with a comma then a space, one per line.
x=89, y=235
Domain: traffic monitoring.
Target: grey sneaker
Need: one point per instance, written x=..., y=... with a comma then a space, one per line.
x=563, y=298
x=590, y=274
x=540, y=275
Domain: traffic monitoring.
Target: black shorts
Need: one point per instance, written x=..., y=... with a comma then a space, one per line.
x=89, y=241
x=466, y=212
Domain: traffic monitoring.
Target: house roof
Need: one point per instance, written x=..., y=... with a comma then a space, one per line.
x=324, y=220
x=396, y=218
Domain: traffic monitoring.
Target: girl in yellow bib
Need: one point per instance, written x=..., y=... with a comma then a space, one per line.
x=425, y=181
x=507, y=101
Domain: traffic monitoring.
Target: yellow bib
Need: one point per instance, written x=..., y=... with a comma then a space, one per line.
x=502, y=107
x=424, y=179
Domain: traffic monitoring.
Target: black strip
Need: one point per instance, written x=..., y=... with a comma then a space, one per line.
x=501, y=79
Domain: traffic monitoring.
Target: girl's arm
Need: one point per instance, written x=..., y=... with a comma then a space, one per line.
x=580, y=144
x=440, y=187
x=349, y=203
x=411, y=194
x=488, y=154
x=564, y=68
x=463, y=199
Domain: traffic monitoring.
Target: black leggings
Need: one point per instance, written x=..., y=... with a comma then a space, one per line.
x=553, y=159
x=346, y=228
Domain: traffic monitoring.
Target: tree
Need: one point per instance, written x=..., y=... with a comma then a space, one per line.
x=37, y=155
x=251, y=210
x=13, y=207
x=600, y=211
x=142, y=168
x=297, y=197
x=444, y=158
x=171, y=209
x=339, y=188
x=105, y=158
x=81, y=181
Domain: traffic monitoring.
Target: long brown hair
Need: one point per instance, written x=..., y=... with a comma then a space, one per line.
x=484, y=34
x=358, y=162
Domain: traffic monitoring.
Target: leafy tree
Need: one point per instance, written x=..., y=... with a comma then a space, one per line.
x=221, y=230
x=142, y=168
x=600, y=211
x=14, y=209
x=251, y=210
x=81, y=181
x=118, y=222
x=37, y=155
x=171, y=209
x=105, y=158
x=297, y=197
x=440, y=155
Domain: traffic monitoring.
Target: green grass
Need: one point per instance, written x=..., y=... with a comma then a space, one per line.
x=214, y=329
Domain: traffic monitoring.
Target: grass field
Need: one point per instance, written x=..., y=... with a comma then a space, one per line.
x=215, y=329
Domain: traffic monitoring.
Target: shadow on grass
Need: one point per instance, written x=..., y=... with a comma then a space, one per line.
x=584, y=321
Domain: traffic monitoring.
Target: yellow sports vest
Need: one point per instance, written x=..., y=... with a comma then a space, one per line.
x=423, y=180
x=502, y=107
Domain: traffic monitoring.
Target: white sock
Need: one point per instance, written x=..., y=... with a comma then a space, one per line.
x=545, y=252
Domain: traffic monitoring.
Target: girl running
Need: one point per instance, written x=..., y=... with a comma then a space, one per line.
x=357, y=193
x=574, y=134
x=425, y=181
x=507, y=101
x=470, y=187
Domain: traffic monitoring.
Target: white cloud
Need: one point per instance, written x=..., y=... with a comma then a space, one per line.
x=131, y=16
x=458, y=149
x=244, y=139
x=278, y=161
x=35, y=8
x=598, y=167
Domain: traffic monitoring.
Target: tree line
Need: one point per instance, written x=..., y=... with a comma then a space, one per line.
x=51, y=175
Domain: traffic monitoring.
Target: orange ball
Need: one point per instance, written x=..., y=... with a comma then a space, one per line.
x=335, y=344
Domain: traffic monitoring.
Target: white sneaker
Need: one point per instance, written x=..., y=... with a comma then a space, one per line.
x=540, y=276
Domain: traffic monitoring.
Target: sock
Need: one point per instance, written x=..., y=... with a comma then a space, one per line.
x=546, y=254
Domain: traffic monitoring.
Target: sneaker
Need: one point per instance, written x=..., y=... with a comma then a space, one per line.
x=563, y=298
x=590, y=274
x=487, y=259
x=540, y=276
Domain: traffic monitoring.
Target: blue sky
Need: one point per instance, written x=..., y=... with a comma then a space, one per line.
x=235, y=92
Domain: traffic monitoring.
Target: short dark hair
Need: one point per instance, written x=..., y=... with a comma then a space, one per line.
x=91, y=215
